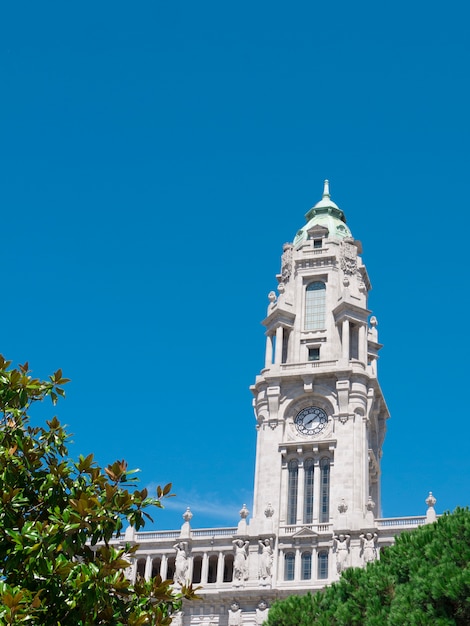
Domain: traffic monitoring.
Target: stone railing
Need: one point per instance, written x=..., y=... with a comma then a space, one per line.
x=316, y=528
x=161, y=535
x=286, y=367
x=401, y=522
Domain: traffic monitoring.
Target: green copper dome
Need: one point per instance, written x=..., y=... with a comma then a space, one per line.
x=325, y=213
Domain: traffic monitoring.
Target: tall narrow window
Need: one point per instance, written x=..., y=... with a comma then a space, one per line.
x=197, y=569
x=212, y=570
x=322, y=565
x=325, y=490
x=285, y=345
x=315, y=298
x=306, y=566
x=289, y=565
x=293, y=468
x=308, y=491
x=228, y=568
x=170, y=572
x=156, y=565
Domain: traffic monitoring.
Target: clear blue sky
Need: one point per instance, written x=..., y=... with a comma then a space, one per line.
x=156, y=155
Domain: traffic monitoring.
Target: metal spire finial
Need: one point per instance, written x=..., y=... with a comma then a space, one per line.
x=326, y=189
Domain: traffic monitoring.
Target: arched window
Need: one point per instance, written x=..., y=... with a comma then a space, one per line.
x=322, y=565
x=325, y=490
x=289, y=566
x=308, y=491
x=212, y=571
x=315, y=298
x=293, y=467
x=306, y=566
x=156, y=564
x=141, y=568
x=228, y=568
x=197, y=569
x=170, y=572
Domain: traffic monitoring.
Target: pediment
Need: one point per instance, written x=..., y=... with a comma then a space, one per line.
x=305, y=533
x=317, y=231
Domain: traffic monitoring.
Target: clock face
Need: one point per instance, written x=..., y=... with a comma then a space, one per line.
x=311, y=420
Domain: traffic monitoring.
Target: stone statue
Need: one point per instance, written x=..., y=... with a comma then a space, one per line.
x=234, y=615
x=181, y=562
x=266, y=558
x=240, y=563
x=177, y=619
x=369, y=551
x=341, y=545
x=261, y=613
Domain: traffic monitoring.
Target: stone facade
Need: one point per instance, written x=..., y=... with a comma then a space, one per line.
x=320, y=419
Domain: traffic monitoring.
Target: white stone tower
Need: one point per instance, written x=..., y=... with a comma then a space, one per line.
x=320, y=419
x=319, y=407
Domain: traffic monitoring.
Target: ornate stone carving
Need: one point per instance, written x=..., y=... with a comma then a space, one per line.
x=269, y=511
x=240, y=563
x=348, y=260
x=368, y=547
x=341, y=547
x=187, y=515
x=181, y=563
x=265, y=558
x=177, y=619
x=261, y=613
x=286, y=262
x=342, y=506
x=244, y=512
x=430, y=513
x=234, y=615
x=431, y=500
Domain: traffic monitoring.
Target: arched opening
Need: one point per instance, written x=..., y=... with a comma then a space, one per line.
x=293, y=468
x=212, y=570
x=156, y=566
x=197, y=569
x=228, y=568
x=289, y=566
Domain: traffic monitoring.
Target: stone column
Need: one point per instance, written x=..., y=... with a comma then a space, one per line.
x=148, y=568
x=204, y=568
x=297, y=564
x=164, y=566
x=300, y=492
x=346, y=340
x=316, y=490
x=362, y=347
x=220, y=568
x=281, y=565
x=269, y=351
x=283, y=498
x=279, y=342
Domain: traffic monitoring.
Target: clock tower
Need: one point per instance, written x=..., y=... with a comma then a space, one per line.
x=320, y=425
x=319, y=408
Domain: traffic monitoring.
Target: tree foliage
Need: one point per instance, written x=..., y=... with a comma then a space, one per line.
x=57, y=517
x=423, y=579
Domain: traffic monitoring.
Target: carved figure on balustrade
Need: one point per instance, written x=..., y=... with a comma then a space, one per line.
x=240, y=563
x=234, y=615
x=266, y=558
x=369, y=550
x=181, y=563
x=341, y=547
